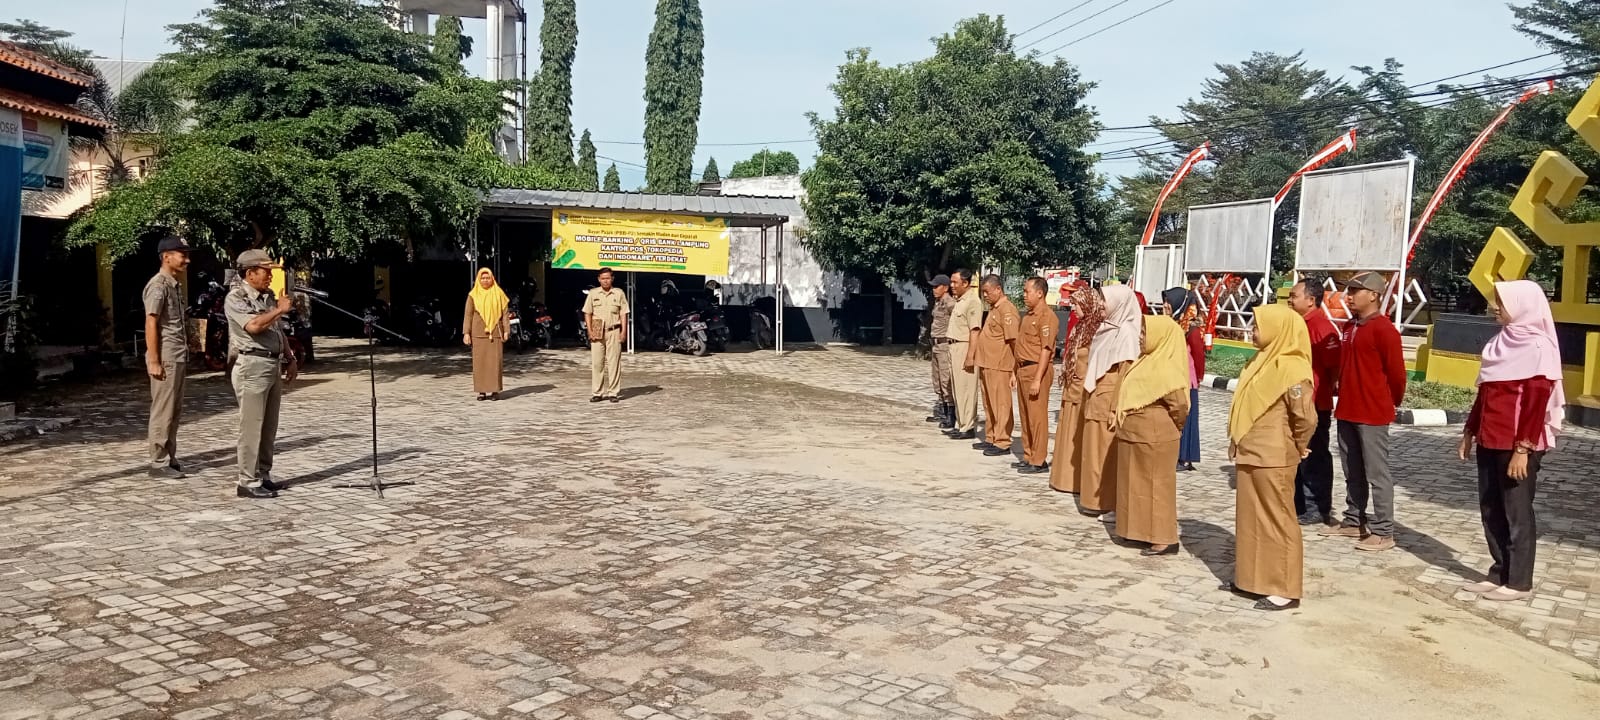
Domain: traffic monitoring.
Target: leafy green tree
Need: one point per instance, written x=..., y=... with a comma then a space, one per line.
x=765, y=163
x=674, y=69
x=613, y=180
x=550, y=117
x=320, y=129
x=1568, y=27
x=972, y=154
x=588, y=164
x=41, y=38
x=711, y=174
x=1264, y=117
x=451, y=46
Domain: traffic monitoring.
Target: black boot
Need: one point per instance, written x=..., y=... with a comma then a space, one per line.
x=937, y=414
x=948, y=419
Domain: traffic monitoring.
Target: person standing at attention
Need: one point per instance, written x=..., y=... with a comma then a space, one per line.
x=1036, y=346
x=1152, y=406
x=1088, y=310
x=485, y=329
x=996, y=357
x=1116, y=344
x=944, y=409
x=166, y=356
x=1313, y=482
x=1372, y=383
x=1181, y=305
x=264, y=366
x=966, y=319
x=605, y=311
x=1514, y=422
x=1269, y=430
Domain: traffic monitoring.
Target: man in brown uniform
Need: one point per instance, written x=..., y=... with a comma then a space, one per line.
x=944, y=409
x=606, y=313
x=166, y=347
x=996, y=359
x=1036, y=344
x=966, y=318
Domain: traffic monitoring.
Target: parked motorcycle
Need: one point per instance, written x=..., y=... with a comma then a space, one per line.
x=427, y=323
x=689, y=335
x=763, y=332
x=208, y=306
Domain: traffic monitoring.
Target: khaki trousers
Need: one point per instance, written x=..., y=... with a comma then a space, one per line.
x=1146, y=491
x=1269, y=555
x=166, y=408
x=605, y=364
x=941, y=372
x=258, y=386
x=998, y=421
x=1035, y=413
x=965, y=387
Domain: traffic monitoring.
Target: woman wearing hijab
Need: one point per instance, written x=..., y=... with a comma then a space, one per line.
x=1269, y=431
x=1514, y=422
x=485, y=328
x=1181, y=305
x=1152, y=406
x=1088, y=310
x=1113, y=348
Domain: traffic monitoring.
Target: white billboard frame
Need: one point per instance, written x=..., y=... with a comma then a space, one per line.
x=1263, y=254
x=1172, y=272
x=1393, y=261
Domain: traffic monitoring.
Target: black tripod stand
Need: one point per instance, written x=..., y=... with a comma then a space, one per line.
x=369, y=323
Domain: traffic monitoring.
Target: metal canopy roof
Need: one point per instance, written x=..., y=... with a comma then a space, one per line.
x=740, y=211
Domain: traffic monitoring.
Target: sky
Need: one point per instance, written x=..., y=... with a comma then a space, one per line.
x=769, y=62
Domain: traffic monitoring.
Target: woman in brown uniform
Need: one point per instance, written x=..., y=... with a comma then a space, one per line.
x=485, y=328
x=1087, y=312
x=1114, y=347
x=1269, y=432
x=1151, y=410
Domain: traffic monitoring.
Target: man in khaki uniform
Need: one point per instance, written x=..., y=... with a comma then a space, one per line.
x=605, y=311
x=264, y=365
x=1036, y=345
x=944, y=411
x=166, y=356
x=966, y=317
x=996, y=358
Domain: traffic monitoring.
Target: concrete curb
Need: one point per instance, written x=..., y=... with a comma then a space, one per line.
x=18, y=428
x=1421, y=418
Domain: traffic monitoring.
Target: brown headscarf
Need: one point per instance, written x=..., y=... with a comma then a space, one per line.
x=1089, y=310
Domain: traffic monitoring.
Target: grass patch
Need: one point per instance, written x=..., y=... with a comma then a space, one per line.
x=1420, y=394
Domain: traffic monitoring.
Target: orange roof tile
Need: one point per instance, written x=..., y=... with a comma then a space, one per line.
x=13, y=54
x=32, y=105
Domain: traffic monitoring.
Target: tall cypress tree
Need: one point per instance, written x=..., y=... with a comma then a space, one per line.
x=450, y=46
x=613, y=180
x=711, y=174
x=588, y=170
x=550, y=116
x=674, y=66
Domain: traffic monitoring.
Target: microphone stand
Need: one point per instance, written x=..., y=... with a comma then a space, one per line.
x=370, y=324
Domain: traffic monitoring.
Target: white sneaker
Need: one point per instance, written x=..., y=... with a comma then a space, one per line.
x=1480, y=588
x=1109, y=518
x=1505, y=594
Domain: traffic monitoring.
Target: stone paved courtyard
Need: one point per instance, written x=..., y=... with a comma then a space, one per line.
x=744, y=536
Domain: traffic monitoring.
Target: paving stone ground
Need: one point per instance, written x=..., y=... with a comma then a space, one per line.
x=744, y=536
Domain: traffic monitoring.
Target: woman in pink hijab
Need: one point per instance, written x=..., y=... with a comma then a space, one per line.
x=1514, y=421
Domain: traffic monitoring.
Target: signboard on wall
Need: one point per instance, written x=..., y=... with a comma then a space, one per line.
x=642, y=242
x=1231, y=237
x=45, y=151
x=10, y=208
x=1355, y=218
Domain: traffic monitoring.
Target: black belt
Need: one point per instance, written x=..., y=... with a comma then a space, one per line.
x=1026, y=363
x=614, y=327
x=942, y=341
x=257, y=352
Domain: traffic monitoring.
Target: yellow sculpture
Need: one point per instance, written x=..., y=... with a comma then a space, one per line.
x=1552, y=186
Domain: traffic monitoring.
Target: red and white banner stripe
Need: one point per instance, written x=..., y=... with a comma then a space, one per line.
x=1344, y=144
x=1193, y=158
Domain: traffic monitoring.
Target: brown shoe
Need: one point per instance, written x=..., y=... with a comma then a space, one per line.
x=1375, y=543
x=1349, y=531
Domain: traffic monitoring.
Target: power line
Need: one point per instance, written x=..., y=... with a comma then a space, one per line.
x=1487, y=69
x=622, y=162
x=1051, y=20
x=727, y=144
x=1125, y=20
x=1118, y=4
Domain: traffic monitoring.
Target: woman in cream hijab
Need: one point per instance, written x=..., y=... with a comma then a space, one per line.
x=1269, y=432
x=1151, y=410
x=1113, y=348
x=485, y=329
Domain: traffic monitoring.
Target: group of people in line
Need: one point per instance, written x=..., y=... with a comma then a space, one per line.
x=1128, y=422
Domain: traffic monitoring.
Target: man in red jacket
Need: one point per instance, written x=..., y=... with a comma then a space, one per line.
x=1372, y=382
x=1313, y=482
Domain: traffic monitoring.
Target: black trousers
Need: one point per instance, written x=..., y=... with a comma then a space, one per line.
x=1508, y=521
x=1313, y=481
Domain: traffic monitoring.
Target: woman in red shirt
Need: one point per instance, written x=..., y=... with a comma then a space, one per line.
x=1514, y=421
x=1184, y=307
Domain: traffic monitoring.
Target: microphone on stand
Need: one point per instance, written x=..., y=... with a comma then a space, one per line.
x=313, y=292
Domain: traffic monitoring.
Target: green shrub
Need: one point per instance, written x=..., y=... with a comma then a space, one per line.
x=1421, y=394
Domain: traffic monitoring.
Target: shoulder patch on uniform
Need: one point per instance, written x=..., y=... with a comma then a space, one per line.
x=1296, y=391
